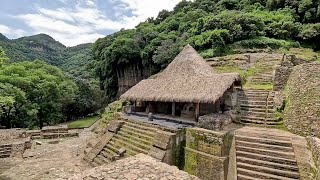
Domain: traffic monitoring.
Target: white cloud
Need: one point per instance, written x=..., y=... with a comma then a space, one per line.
x=146, y=8
x=8, y=31
x=80, y=24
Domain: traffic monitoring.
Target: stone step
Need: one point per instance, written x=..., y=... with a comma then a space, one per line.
x=132, y=146
x=129, y=151
x=263, y=114
x=5, y=146
x=94, y=164
x=278, y=166
x=138, y=137
x=280, y=154
x=141, y=125
x=5, y=151
x=244, y=177
x=264, y=146
x=108, y=153
x=136, y=134
x=280, y=141
x=253, y=102
x=104, y=159
x=98, y=160
x=257, y=109
x=273, y=171
x=136, y=143
x=36, y=137
x=255, y=105
x=261, y=175
x=266, y=158
x=250, y=121
x=137, y=130
x=253, y=118
x=264, y=136
x=257, y=119
x=5, y=155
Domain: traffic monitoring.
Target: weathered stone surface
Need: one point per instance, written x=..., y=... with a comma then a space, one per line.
x=314, y=147
x=205, y=166
x=282, y=74
x=206, y=153
x=164, y=140
x=215, y=122
x=114, y=126
x=207, y=141
x=302, y=112
x=157, y=153
x=136, y=167
x=99, y=146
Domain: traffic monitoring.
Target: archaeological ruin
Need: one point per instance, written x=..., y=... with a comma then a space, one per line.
x=197, y=119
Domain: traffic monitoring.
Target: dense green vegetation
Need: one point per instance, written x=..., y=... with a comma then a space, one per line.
x=76, y=62
x=213, y=27
x=83, y=123
x=33, y=94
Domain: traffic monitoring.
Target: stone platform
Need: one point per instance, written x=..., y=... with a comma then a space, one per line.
x=136, y=167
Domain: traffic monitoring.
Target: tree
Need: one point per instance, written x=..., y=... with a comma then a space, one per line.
x=39, y=89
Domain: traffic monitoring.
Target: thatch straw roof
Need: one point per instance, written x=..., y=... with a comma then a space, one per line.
x=188, y=78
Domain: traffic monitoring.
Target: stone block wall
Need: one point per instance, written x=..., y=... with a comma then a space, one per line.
x=168, y=147
x=282, y=74
x=302, y=111
x=314, y=145
x=206, y=153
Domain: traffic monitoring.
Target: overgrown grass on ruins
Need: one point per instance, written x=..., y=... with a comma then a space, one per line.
x=83, y=123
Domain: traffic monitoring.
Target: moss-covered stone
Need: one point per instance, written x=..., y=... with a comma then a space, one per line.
x=206, y=153
x=207, y=141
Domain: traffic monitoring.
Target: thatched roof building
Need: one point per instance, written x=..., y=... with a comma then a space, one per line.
x=188, y=78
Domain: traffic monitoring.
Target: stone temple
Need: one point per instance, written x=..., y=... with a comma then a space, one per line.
x=192, y=122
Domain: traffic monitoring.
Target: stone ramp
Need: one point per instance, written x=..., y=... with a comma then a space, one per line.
x=257, y=107
x=263, y=153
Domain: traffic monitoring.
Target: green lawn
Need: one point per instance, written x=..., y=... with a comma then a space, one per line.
x=83, y=123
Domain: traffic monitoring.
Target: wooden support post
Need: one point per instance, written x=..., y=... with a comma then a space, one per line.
x=135, y=106
x=173, y=109
x=148, y=108
x=197, y=111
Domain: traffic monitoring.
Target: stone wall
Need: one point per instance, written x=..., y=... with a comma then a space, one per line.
x=206, y=153
x=302, y=111
x=168, y=147
x=281, y=77
x=283, y=72
x=314, y=145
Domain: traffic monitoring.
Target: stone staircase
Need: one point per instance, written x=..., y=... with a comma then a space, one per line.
x=257, y=108
x=133, y=138
x=263, y=153
x=5, y=150
x=262, y=78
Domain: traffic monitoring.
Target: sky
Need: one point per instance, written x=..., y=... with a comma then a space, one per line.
x=74, y=22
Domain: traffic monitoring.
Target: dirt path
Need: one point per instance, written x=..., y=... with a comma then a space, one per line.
x=48, y=161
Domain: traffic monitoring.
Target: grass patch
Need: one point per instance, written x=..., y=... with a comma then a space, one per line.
x=302, y=53
x=258, y=86
x=83, y=123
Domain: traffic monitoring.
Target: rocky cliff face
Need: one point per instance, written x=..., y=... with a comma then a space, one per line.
x=130, y=75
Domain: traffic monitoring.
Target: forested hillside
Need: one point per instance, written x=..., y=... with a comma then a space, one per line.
x=213, y=27
x=76, y=63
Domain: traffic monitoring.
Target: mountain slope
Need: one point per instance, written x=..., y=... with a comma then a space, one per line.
x=73, y=60
x=212, y=27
